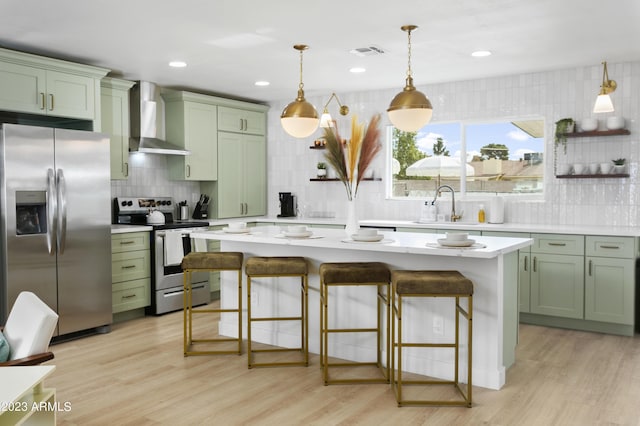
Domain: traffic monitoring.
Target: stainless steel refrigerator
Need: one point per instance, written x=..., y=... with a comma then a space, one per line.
x=55, y=223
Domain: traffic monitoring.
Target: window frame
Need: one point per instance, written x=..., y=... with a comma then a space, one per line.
x=523, y=196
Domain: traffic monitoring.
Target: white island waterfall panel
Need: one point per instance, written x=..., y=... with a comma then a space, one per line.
x=493, y=270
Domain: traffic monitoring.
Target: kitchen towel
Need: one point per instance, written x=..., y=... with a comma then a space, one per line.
x=173, y=248
x=199, y=244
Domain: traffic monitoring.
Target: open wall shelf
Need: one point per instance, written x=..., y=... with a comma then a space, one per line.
x=618, y=132
x=338, y=180
x=618, y=175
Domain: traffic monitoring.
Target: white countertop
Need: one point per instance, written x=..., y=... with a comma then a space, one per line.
x=123, y=229
x=617, y=231
x=397, y=242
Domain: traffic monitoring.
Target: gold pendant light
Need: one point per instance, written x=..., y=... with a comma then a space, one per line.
x=299, y=118
x=603, y=101
x=410, y=109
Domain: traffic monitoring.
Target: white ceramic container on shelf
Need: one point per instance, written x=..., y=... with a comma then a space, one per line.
x=593, y=168
x=564, y=169
x=615, y=123
x=589, y=124
x=605, y=168
x=578, y=168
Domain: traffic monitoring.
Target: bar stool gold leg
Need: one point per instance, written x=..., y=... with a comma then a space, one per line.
x=279, y=267
x=209, y=262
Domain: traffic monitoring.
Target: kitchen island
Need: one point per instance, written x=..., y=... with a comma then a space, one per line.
x=492, y=265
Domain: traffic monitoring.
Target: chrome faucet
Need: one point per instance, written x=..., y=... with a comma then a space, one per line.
x=454, y=216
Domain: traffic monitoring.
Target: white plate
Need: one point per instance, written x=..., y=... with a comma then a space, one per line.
x=367, y=238
x=236, y=231
x=305, y=234
x=445, y=242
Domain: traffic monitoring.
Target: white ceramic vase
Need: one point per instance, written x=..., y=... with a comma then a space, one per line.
x=352, y=225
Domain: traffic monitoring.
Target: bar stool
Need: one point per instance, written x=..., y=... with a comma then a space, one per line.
x=209, y=262
x=355, y=274
x=408, y=284
x=274, y=267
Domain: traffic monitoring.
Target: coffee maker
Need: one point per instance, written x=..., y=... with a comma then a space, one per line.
x=287, y=204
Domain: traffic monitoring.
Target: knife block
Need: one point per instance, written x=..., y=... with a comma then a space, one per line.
x=200, y=211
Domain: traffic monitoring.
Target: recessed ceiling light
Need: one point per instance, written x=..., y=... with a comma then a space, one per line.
x=357, y=70
x=481, y=53
x=262, y=83
x=177, y=64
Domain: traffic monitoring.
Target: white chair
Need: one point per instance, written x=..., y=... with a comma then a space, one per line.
x=28, y=330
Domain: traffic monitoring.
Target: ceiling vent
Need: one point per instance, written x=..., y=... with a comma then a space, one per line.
x=367, y=51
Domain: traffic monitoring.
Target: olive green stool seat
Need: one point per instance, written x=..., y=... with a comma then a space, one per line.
x=276, y=267
x=343, y=274
x=412, y=284
x=209, y=262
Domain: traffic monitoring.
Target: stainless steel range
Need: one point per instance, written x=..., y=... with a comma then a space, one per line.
x=169, y=242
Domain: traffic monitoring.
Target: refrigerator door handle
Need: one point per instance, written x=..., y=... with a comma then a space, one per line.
x=62, y=211
x=52, y=212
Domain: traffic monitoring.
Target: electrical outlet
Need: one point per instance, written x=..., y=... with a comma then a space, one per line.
x=438, y=325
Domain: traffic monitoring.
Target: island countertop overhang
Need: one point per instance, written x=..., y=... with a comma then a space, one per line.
x=393, y=242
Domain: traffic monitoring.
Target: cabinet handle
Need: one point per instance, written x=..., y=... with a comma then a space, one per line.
x=128, y=266
x=188, y=170
x=129, y=296
x=558, y=244
x=526, y=263
x=246, y=208
x=246, y=124
x=590, y=263
x=534, y=263
x=42, y=105
x=126, y=169
x=610, y=247
x=122, y=243
x=241, y=123
x=50, y=102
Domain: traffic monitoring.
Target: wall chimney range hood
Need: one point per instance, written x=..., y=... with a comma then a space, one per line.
x=143, y=123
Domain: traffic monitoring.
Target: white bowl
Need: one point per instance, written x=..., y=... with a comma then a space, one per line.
x=237, y=225
x=367, y=232
x=457, y=236
x=589, y=124
x=615, y=123
x=297, y=229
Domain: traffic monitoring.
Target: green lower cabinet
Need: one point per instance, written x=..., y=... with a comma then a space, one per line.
x=609, y=290
x=557, y=285
x=524, y=281
x=130, y=272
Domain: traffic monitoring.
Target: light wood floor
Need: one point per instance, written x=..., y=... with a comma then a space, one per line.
x=137, y=375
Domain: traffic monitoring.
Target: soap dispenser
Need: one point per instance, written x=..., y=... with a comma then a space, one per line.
x=481, y=214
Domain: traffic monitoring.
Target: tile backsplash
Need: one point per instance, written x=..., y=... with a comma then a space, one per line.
x=550, y=95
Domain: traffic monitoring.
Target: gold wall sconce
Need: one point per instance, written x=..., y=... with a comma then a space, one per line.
x=603, y=101
x=325, y=119
x=410, y=109
x=299, y=118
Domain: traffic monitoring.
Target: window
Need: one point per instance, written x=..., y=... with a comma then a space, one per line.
x=499, y=157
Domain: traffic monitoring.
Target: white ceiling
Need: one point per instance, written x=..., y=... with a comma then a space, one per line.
x=229, y=44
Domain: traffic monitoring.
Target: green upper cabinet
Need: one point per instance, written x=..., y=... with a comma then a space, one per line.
x=241, y=186
x=45, y=86
x=191, y=123
x=241, y=121
x=114, y=100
